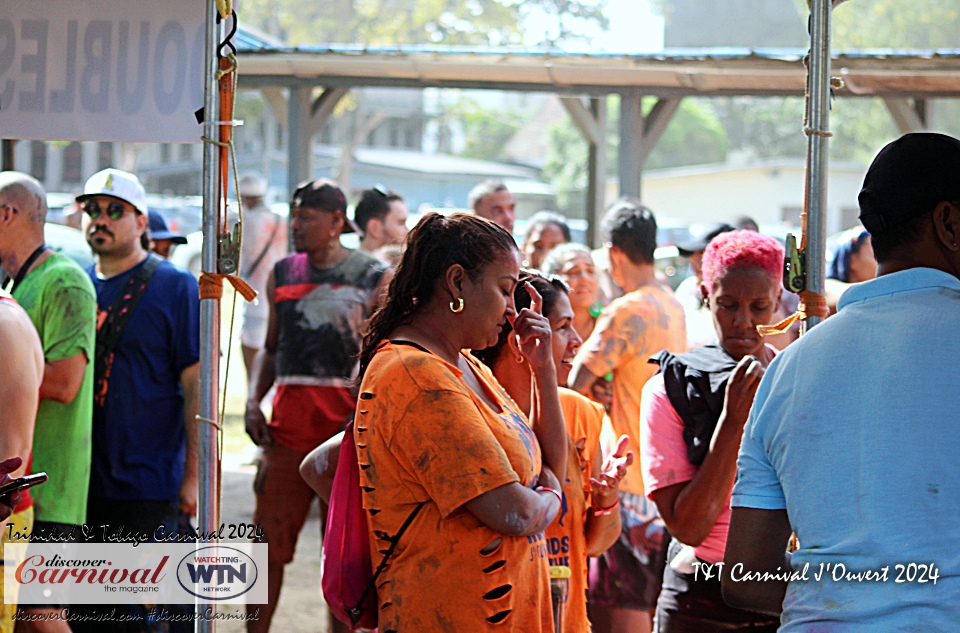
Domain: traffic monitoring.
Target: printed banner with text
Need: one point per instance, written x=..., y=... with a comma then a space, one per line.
x=107, y=70
x=150, y=573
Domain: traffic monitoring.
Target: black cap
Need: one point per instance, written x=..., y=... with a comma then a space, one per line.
x=698, y=244
x=324, y=195
x=909, y=177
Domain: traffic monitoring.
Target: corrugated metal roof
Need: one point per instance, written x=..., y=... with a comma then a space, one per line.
x=672, y=73
x=248, y=38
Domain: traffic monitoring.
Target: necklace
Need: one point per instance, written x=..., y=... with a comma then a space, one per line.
x=26, y=266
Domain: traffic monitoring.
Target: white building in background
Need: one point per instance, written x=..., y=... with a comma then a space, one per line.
x=771, y=192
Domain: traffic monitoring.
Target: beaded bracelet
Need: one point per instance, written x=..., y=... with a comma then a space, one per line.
x=599, y=512
x=545, y=489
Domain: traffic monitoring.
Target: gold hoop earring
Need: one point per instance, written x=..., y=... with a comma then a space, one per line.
x=459, y=307
x=519, y=359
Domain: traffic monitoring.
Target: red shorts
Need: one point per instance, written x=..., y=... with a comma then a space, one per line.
x=304, y=416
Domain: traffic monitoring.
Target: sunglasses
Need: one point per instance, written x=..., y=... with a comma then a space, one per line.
x=114, y=210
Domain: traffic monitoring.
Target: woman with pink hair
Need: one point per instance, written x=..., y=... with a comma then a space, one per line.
x=692, y=416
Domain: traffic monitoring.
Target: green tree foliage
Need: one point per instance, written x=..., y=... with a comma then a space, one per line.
x=895, y=24
x=386, y=22
x=486, y=132
x=694, y=136
x=565, y=165
x=860, y=127
x=762, y=127
x=772, y=127
x=405, y=22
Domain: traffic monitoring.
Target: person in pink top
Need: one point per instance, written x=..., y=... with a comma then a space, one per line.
x=692, y=416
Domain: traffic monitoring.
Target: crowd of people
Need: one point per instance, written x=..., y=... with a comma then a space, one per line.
x=571, y=446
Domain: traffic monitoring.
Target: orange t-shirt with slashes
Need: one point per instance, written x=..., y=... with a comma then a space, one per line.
x=566, y=536
x=424, y=436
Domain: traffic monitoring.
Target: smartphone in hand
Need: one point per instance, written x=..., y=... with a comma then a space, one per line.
x=22, y=483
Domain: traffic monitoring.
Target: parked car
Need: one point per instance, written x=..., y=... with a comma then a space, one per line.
x=58, y=204
x=188, y=255
x=183, y=214
x=69, y=241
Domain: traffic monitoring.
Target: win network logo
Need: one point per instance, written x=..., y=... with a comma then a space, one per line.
x=118, y=573
x=217, y=573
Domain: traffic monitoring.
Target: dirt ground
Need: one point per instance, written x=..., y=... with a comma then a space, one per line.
x=301, y=608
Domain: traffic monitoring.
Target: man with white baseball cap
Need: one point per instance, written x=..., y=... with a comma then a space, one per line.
x=146, y=370
x=118, y=191
x=118, y=184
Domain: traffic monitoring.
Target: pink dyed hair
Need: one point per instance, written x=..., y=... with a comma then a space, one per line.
x=742, y=249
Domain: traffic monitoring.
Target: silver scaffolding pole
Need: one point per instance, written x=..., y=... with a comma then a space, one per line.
x=818, y=133
x=208, y=506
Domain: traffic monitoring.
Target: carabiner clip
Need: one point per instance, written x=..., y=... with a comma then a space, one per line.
x=226, y=42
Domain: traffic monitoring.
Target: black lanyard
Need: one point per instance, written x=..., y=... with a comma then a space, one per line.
x=26, y=266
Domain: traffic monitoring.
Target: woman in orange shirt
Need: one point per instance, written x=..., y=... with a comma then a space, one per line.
x=589, y=522
x=435, y=431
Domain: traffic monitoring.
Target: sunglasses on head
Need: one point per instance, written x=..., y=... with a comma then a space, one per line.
x=114, y=209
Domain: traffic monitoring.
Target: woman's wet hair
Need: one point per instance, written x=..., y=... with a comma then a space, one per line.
x=433, y=246
x=554, y=260
x=742, y=249
x=549, y=287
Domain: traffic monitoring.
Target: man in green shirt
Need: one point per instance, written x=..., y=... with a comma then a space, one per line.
x=59, y=298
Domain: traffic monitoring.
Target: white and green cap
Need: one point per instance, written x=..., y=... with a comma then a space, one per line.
x=118, y=184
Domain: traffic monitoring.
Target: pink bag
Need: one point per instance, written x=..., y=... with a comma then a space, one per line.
x=347, y=577
x=346, y=570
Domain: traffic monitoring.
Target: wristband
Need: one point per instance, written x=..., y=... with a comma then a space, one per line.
x=599, y=512
x=545, y=489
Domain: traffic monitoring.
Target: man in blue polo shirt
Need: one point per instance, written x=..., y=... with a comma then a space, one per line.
x=145, y=399
x=852, y=442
